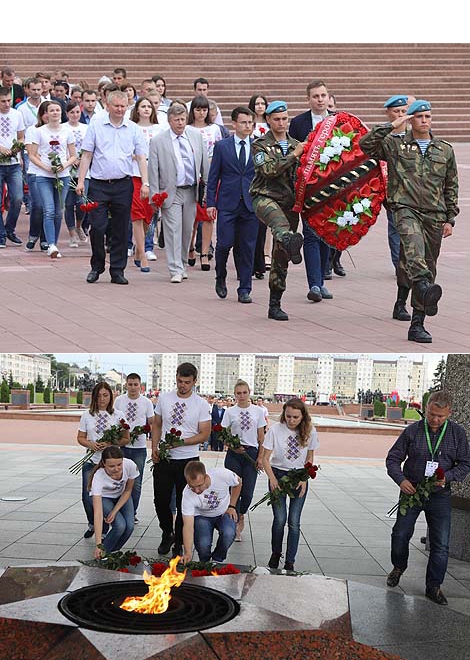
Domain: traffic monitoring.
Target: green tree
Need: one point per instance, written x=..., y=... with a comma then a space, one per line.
x=47, y=395
x=39, y=384
x=425, y=401
x=80, y=396
x=379, y=408
x=4, y=392
x=403, y=406
x=439, y=376
x=30, y=387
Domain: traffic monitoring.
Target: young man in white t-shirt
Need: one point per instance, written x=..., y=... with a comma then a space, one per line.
x=209, y=502
x=189, y=413
x=138, y=411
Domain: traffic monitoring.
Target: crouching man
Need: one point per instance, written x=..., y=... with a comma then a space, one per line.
x=208, y=503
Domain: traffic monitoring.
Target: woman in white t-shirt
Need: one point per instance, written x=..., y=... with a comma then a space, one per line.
x=110, y=485
x=247, y=421
x=93, y=423
x=53, y=138
x=36, y=228
x=74, y=215
x=289, y=444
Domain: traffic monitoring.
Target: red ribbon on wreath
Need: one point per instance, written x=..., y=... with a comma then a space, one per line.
x=339, y=189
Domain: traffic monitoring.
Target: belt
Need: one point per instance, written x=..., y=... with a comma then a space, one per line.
x=185, y=187
x=123, y=178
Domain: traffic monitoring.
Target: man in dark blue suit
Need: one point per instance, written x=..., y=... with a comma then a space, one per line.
x=217, y=414
x=229, y=200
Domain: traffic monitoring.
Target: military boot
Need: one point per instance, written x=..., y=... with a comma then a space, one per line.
x=430, y=295
x=400, y=312
x=416, y=331
x=275, y=312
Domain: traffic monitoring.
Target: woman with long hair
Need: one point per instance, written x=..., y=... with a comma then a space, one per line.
x=74, y=216
x=53, y=151
x=110, y=485
x=258, y=104
x=289, y=444
x=143, y=114
x=93, y=422
x=211, y=133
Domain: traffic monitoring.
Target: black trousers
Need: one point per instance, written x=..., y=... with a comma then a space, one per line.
x=166, y=476
x=114, y=212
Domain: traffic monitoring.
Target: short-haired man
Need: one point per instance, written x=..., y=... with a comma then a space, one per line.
x=201, y=88
x=46, y=82
x=422, y=447
x=229, y=201
x=7, y=80
x=138, y=411
x=90, y=109
x=147, y=86
x=11, y=128
x=422, y=192
x=276, y=156
x=177, y=164
x=109, y=147
x=119, y=76
x=208, y=503
x=317, y=98
x=185, y=411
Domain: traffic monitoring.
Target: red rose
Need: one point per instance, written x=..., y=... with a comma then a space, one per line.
x=217, y=428
x=178, y=433
x=123, y=570
x=440, y=474
x=308, y=465
x=173, y=431
x=231, y=569
x=312, y=473
x=17, y=101
x=147, y=428
x=158, y=568
x=201, y=573
x=134, y=560
x=83, y=207
x=354, y=240
x=54, y=143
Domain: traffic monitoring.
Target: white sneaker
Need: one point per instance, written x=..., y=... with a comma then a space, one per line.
x=151, y=256
x=73, y=243
x=176, y=279
x=81, y=235
x=52, y=251
x=130, y=252
x=185, y=275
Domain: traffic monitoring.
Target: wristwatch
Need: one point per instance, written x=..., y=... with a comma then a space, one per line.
x=145, y=183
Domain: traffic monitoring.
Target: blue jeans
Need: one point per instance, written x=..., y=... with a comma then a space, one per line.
x=73, y=211
x=12, y=176
x=122, y=526
x=437, y=510
x=52, y=205
x=296, y=504
x=139, y=456
x=316, y=256
x=204, y=531
x=247, y=472
x=36, y=228
x=393, y=239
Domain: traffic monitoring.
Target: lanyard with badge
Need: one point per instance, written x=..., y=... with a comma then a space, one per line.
x=432, y=465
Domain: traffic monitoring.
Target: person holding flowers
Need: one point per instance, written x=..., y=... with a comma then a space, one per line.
x=289, y=445
x=53, y=152
x=74, y=214
x=433, y=448
x=246, y=421
x=111, y=485
x=139, y=413
x=93, y=425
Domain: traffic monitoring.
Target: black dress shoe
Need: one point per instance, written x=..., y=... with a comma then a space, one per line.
x=165, y=545
x=220, y=288
x=259, y=276
x=339, y=270
x=89, y=533
x=93, y=276
x=393, y=578
x=436, y=595
x=118, y=279
x=14, y=238
x=244, y=298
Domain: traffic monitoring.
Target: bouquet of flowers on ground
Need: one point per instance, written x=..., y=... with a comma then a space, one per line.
x=197, y=568
x=423, y=490
x=288, y=484
x=115, y=561
x=172, y=439
x=15, y=149
x=231, y=441
x=112, y=436
x=138, y=430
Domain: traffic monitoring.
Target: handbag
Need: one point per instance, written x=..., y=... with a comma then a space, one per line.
x=201, y=192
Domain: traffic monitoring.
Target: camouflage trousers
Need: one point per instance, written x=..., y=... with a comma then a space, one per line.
x=279, y=220
x=420, y=244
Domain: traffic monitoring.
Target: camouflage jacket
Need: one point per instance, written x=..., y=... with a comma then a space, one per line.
x=274, y=172
x=426, y=183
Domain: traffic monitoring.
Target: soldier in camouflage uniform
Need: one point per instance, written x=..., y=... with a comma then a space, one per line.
x=422, y=193
x=276, y=157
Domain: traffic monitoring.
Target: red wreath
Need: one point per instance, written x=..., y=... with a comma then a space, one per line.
x=341, y=217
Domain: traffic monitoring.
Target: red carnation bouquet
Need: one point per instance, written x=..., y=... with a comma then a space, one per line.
x=159, y=198
x=87, y=204
x=138, y=430
x=339, y=189
x=423, y=490
x=111, y=435
x=288, y=484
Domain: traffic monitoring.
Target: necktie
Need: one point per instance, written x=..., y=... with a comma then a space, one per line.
x=242, y=155
x=188, y=162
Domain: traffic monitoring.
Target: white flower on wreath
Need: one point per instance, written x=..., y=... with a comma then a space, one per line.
x=361, y=206
x=334, y=147
x=351, y=217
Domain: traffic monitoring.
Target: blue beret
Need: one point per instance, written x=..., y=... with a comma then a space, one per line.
x=276, y=106
x=418, y=106
x=396, y=101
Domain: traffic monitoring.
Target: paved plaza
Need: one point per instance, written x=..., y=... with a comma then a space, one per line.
x=47, y=304
x=345, y=532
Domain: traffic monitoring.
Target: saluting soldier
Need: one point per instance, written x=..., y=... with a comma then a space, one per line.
x=276, y=157
x=422, y=193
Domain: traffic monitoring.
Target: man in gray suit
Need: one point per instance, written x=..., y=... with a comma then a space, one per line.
x=177, y=165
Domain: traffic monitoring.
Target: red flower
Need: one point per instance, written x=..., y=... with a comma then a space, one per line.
x=262, y=130
x=173, y=430
x=217, y=428
x=124, y=424
x=159, y=198
x=17, y=101
x=134, y=560
x=158, y=568
x=201, y=573
x=123, y=570
x=146, y=428
x=440, y=474
x=312, y=473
